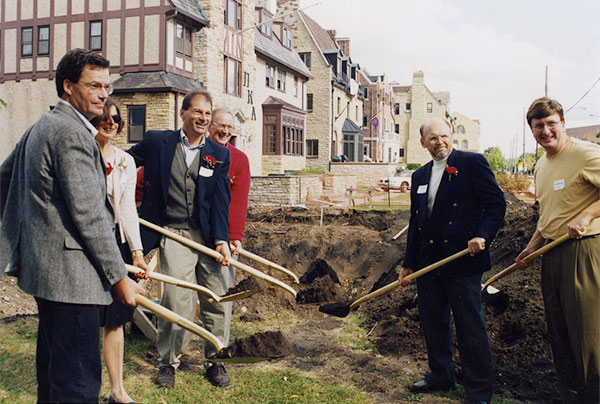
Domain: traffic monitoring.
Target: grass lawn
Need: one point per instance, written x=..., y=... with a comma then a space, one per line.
x=18, y=380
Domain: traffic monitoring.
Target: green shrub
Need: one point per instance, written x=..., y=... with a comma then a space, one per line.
x=412, y=166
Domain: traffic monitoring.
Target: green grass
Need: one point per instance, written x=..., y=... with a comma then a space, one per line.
x=18, y=380
x=355, y=334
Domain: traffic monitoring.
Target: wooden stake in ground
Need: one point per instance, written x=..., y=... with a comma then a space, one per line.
x=343, y=309
x=209, y=251
x=400, y=232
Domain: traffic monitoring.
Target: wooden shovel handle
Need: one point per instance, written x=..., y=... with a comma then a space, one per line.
x=177, y=282
x=270, y=264
x=527, y=259
x=412, y=276
x=210, y=252
x=180, y=321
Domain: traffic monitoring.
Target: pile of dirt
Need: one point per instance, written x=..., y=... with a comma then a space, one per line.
x=249, y=283
x=358, y=248
x=270, y=344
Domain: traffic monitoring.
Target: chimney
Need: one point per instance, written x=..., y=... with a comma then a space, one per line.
x=344, y=44
x=332, y=34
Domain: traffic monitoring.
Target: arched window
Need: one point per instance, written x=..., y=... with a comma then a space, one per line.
x=455, y=144
x=460, y=129
x=465, y=144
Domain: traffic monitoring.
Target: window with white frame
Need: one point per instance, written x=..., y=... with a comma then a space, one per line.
x=281, y=80
x=269, y=76
x=429, y=107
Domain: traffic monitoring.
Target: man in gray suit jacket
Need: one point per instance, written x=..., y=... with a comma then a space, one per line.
x=56, y=233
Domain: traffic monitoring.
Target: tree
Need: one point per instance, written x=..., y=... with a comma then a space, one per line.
x=495, y=158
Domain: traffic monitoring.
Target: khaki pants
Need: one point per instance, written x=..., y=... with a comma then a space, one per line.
x=571, y=289
x=190, y=265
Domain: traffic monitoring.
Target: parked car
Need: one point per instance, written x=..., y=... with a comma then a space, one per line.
x=401, y=181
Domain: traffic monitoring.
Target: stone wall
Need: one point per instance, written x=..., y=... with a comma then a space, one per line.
x=160, y=112
x=275, y=190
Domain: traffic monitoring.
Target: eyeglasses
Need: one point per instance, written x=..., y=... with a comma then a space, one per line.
x=224, y=130
x=116, y=119
x=97, y=88
x=551, y=125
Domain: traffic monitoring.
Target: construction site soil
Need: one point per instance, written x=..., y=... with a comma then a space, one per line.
x=342, y=255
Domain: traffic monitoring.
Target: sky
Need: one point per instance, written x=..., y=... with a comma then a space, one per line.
x=490, y=55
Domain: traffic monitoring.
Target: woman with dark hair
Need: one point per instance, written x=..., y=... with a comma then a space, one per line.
x=120, y=189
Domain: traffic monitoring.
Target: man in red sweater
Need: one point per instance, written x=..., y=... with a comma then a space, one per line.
x=220, y=130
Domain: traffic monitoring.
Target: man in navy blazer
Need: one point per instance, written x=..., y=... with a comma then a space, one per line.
x=186, y=189
x=455, y=203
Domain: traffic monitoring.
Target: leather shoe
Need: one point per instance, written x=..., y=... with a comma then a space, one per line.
x=217, y=375
x=423, y=386
x=166, y=376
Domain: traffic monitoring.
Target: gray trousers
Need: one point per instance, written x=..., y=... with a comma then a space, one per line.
x=185, y=263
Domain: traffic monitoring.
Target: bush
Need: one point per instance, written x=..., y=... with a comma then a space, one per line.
x=514, y=183
x=412, y=166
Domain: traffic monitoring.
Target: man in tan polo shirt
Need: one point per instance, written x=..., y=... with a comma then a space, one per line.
x=567, y=179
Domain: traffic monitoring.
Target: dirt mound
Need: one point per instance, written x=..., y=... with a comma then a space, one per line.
x=321, y=290
x=270, y=344
x=249, y=283
x=319, y=268
x=358, y=247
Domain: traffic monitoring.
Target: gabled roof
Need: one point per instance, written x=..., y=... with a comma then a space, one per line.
x=276, y=101
x=350, y=127
x=324, y=41
x=272, y=48
x=191, y=9
x=401, y=89
x=154, y=82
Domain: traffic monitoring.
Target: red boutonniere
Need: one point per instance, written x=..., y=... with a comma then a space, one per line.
x=109, y=168
x=231, y=180
x=210, y=162
x=452, y=172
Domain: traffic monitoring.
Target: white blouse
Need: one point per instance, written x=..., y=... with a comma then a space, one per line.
x=120, y=188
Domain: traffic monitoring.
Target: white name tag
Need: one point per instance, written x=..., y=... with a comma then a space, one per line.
x=422, y=189
x=205, y=172
x=559, y=184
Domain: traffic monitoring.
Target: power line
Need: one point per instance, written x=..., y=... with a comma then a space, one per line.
x=583, y=96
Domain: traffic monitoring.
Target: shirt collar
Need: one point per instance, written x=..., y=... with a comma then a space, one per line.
x=186, y=142
x=85, y=121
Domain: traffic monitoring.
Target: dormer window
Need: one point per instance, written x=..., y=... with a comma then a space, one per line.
x=287, y=38
x=267, y=27
x=233, y=14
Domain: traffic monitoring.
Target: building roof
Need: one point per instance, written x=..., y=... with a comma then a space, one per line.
x=277, y=101
x=272, y=48
x=401, y=89
x=585, y=133
x=154, y=82
x=322, y=37
x=191, y=9
x=351, y=127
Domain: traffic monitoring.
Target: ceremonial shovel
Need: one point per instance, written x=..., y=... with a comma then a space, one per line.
x=343, y=309
x=268, y=263
x=194, y=328
x=527, y=259
x=189, y=285
x=214, y=254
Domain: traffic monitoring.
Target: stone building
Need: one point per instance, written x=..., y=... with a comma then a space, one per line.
x=382, y=136
x=334, y=100
x=149, y=44
x=159, y=49
x=415, y=104
x=280, y=95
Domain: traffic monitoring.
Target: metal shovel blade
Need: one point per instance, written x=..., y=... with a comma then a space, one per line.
x=237, y=296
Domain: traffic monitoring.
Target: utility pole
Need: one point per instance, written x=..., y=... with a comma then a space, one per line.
x=545, y=95
x=524, y=125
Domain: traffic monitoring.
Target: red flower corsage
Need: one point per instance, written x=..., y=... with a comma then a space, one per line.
x=210, y=162
x=452, y=171
x=109, y=168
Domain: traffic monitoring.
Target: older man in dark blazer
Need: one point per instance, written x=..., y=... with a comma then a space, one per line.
x=57, y=231
x=186, y=189
x=455, y=203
